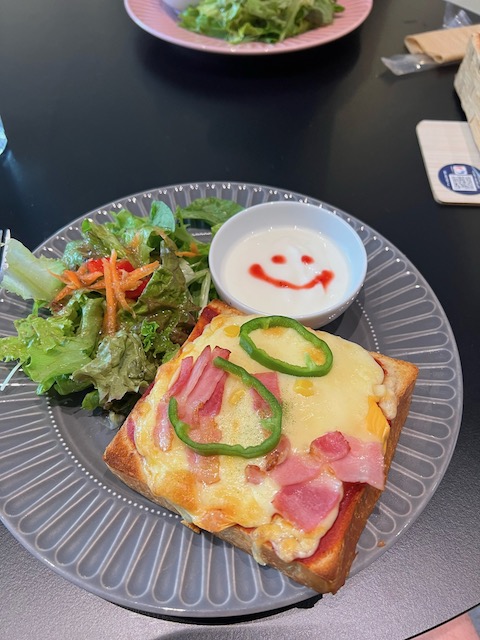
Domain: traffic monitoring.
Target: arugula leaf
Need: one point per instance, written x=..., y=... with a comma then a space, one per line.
x=162, y=216
x=213, y=211
x=134, y=238
x=257, y=20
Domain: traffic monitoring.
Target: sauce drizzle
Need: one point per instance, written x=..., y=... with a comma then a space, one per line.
x=324, y=278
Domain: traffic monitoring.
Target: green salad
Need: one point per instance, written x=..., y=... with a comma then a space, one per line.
x=121, y=301
x=268, y=21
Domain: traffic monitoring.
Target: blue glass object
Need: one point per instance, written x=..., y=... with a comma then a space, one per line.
x=3, y=137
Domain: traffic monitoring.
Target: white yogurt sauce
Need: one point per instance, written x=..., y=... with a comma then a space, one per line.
x=288, y=260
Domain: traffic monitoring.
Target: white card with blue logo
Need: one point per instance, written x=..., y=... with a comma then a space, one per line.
x=452, y=161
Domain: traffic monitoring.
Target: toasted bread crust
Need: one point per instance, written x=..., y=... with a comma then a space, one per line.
x=327, y=569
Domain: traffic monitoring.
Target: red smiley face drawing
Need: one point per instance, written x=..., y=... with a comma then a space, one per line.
x=324, y=277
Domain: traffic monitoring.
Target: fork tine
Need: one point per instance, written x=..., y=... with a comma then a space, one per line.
x=4, y=238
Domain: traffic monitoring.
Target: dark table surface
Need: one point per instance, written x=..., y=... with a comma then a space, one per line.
x=97, y=109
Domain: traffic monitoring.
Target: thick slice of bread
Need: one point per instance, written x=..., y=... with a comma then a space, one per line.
x=327, y=569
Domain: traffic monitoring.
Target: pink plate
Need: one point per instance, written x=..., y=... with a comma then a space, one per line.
x=159, y=20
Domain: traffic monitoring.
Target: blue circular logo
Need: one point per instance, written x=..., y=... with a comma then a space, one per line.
x=461, y=178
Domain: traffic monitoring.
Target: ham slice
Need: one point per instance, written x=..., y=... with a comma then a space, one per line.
x=182, y=378
x=296, y=469
x=206, y=468
x=270, y=380
x=331, y=446
x=191, y=377
x=363, y=463
x=201, y=384
x=198, y=390
x=205, y=389
x=279, y=454
x=307, y=504
x=351, y=460
x=309, y=491
x=212, y=406
x=253, y=474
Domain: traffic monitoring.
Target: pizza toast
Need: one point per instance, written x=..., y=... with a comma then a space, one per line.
x=148, y=456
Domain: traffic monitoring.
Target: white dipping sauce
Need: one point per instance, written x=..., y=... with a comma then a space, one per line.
x=293, y=267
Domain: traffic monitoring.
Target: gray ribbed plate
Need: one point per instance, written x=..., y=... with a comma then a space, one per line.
x=61, y=503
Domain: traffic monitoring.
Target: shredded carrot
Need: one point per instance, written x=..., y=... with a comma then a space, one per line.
x=110, y=319
x=117, y=289
x=90, y=278
x=112, y=281
x=97, y=286
x=78, y=278
x=82, y=269
x=66, y=291
x=193, y=253
x=132, y=279
x=135, y=241
x=55, y=275
x=74, y=279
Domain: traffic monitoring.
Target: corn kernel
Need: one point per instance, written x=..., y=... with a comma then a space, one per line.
x=232, y=330
x=236, y=396
x=304, y=387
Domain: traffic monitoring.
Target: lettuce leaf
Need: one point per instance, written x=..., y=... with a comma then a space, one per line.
x=50, y=349
x=120, y=367
x=167, y=301
x=31, y=277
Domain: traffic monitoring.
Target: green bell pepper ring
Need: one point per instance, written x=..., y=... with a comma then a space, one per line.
x=273, y=423
x=311, y=368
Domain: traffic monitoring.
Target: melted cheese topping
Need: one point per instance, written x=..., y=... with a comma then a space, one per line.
x=289, y=542
x=344, y=400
